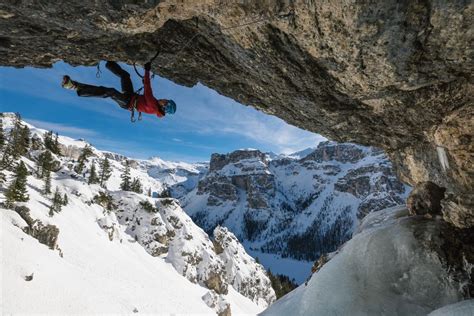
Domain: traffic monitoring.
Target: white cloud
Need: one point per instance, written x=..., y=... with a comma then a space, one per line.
x=62, y=128
x=207, y=112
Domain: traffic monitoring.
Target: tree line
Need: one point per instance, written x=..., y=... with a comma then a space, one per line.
x=18, y=142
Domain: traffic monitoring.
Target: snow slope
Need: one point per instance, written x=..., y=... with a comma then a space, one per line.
x=97, y=265
x=94, y=276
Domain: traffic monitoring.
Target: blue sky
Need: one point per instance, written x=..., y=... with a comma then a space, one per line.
x=205, y=122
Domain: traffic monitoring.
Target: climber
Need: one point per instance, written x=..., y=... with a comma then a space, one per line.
x=127, y=99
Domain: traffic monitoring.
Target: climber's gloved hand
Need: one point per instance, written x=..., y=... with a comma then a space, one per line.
x=148, y=66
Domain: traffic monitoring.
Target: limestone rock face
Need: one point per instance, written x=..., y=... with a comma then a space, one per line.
x=425, y=199
x=246, y=276
x=46, y=234
x=164, y=230
x=396, y=75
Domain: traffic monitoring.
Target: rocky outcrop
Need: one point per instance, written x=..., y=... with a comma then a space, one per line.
x=299, y=208
x=164, y=230
x=425, y=198
x=328, y=151
x=392, y=74
x=458, y=210
x=219, y=161
x=45, y=234
x=218, y=303
x=246, y=276
x=167, y=231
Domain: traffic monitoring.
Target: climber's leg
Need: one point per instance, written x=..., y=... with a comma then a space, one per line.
x=86, y=90
x=126, y=82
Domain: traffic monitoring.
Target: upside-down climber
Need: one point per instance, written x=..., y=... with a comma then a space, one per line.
x=127, y=99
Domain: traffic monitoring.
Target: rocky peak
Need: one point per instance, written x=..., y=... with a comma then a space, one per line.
x=341, y=152
x=218, y=161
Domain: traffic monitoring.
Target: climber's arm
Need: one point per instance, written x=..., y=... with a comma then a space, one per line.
x=147, y=85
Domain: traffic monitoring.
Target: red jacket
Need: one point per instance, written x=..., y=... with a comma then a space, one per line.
x=147, y=103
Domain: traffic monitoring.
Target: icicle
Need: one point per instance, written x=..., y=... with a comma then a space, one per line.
x=443, y=158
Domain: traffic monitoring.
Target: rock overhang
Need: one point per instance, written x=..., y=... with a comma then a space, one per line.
x=393, y=75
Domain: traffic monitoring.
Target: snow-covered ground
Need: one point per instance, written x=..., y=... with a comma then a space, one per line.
x=100, y=264
x=95, y=275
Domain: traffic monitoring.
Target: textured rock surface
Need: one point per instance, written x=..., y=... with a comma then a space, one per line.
x=246, y=276
x=46, y=234
x=425, y=198
x=392, y=74
x=165, y=230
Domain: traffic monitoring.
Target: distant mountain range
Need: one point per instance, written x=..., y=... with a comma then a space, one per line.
x=297, y=206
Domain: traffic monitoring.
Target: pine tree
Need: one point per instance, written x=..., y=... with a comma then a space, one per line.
x=105, y=172
x=36, y=142
x=11, y=152
x=52, y=144
x=136, y=186
x=16, y=191
x=281, y=284
x=47, y=182
x=19, y=138
x=93, y=179
x=57, y=203
x=2, y=135
x=3, y=179
x=57, y=149
x=44, y=164
x=24, y=141
x=18, y=144
x=2, y=144
x=126, y=179
x=7, y=161
x=81, y=161
x=65, y=200
x=149, y=192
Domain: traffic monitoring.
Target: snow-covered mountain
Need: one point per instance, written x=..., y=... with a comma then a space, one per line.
x=289, y=207
x=112, y=251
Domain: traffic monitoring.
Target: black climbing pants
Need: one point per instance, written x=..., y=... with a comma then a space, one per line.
x=122, y=98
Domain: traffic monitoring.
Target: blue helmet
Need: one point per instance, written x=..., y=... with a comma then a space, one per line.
x=170, y=107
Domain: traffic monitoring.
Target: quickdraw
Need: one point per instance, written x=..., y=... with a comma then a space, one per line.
x=97, y=74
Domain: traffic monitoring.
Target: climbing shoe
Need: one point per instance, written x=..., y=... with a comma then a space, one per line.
x=68, y=83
